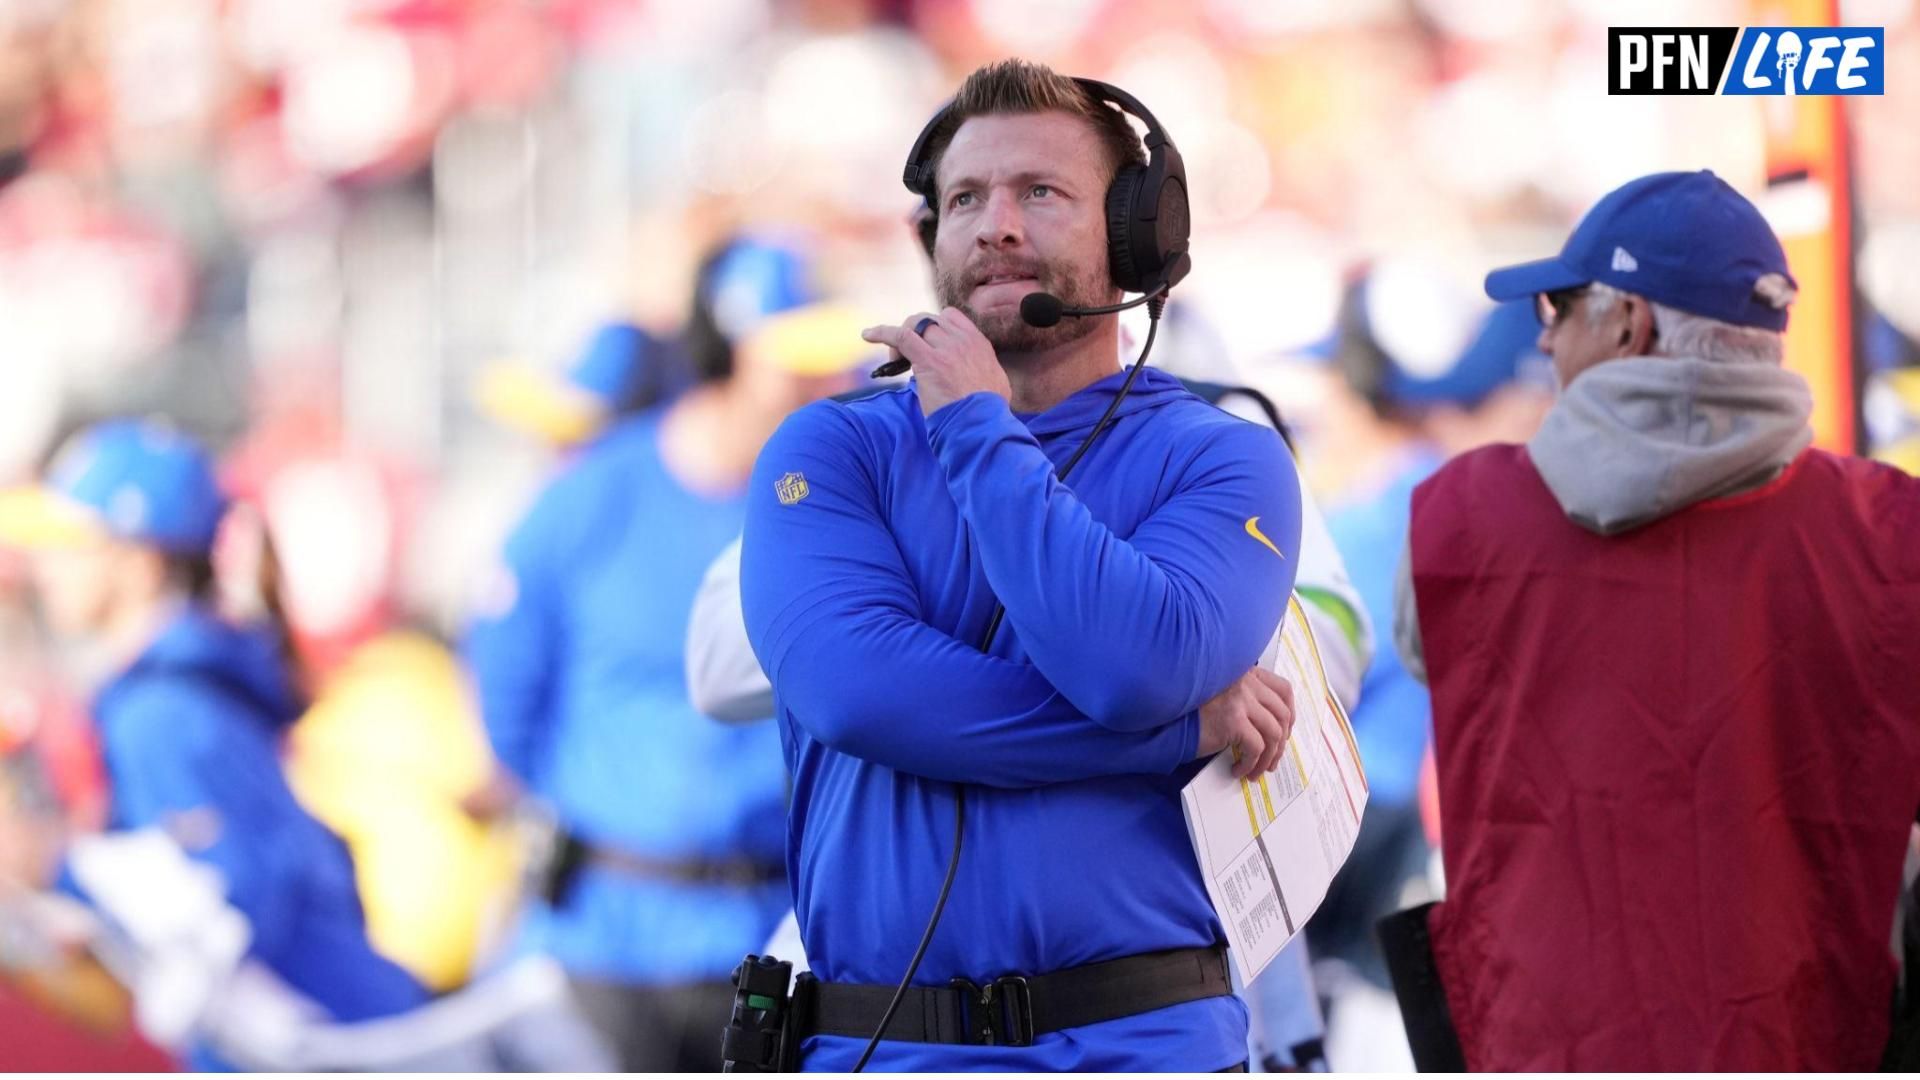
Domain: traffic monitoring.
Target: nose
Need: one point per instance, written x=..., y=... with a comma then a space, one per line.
x=1000, y=222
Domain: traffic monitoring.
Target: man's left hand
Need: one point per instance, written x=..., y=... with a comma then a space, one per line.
x=950, y=360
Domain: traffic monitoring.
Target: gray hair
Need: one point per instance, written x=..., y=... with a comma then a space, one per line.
x=1680, y=333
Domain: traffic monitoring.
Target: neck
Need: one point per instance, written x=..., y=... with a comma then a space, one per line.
x=1045, y=378
x=133, y=625
x=710, y=437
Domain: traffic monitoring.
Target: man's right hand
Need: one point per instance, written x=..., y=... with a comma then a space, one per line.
x=1255, y=716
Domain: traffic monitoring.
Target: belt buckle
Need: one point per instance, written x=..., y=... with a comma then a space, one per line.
x=999, y=1013
x=977, y=1009
x=1016, y=1007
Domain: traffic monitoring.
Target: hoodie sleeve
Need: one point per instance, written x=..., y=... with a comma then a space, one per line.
x=513, y=643
x=178, y=765
x=1137, y=629
x=834, y=618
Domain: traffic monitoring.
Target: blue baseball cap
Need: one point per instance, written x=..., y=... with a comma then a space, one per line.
x=138, y=480
x=1683, y=239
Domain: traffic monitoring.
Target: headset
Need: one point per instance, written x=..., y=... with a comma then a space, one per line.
x=1147, y=234
x=1148, y=221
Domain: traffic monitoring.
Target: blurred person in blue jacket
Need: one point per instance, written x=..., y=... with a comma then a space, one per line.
x=190, y=712
x=669, y=866
x=1434, y=372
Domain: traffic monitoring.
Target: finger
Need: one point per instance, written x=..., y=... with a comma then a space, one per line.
x=923, y=323
x=1277, y=683
x=1286, y=721
x=1274, y=701
x=1256, y=739
x=1246, y=743
x=1291, y=707
x=1270, y=716
x=1273, y=740
x=1283, y=724
x=901, y=340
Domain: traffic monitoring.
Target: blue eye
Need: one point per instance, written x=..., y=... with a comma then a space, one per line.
x=1041, y=190
x=959, y=199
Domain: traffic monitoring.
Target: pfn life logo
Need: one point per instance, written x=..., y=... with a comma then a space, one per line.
x=1746, y=60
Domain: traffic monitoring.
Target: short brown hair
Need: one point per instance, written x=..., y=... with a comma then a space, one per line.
x=1021, y=86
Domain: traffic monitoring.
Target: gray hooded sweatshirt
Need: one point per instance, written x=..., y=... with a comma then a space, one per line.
x=1634, y=440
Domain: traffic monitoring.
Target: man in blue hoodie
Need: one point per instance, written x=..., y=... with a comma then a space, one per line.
x=881, y=533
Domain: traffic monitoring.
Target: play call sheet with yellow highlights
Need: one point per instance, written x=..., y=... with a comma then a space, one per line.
x=1269, y=845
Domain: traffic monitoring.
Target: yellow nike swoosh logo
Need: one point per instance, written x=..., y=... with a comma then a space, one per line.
x=1253, y=530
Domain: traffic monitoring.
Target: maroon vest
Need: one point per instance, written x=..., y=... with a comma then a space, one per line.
x=1677, y=767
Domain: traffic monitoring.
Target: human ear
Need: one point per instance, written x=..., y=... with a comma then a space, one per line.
x=1636, y=327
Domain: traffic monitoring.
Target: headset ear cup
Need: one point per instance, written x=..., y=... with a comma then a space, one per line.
x=1171, y=223
x=926, y=228
x=1121, y=254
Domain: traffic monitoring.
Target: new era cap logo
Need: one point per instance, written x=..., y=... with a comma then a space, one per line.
x=1624, y=262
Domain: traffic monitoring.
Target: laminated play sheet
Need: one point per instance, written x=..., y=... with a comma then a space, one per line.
x=1269, y=845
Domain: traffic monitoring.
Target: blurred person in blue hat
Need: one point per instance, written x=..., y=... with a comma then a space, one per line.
x=1675, y=661
x=1433, y=372
x=623, y=369
x=670, y=864
x=190, y=711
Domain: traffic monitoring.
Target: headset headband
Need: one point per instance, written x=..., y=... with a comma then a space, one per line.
x=918, y=175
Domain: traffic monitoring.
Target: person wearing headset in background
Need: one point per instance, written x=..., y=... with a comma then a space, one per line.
x=725, y=681
x=669, y=864
x=880, y=534
x=189, y=711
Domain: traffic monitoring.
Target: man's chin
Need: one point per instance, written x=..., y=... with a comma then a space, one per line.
x=1008, y=332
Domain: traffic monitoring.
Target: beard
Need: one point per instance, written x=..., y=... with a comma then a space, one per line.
x=1003, y=327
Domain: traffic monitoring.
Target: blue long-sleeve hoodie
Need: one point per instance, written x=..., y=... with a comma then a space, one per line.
x=190, y=733
x=876, y=544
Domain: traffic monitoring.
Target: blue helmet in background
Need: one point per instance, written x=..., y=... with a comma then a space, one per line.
x=622, y=367
x=744, y=283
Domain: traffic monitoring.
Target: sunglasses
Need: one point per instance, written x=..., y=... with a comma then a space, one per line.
x=1551, y=307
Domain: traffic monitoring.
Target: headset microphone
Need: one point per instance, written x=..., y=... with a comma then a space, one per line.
x=1041, y=310
x=1045, y=309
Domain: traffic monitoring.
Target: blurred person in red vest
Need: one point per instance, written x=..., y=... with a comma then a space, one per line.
x=1675, y=663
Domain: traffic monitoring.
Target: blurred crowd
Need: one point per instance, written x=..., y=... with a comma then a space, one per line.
x=398, y=261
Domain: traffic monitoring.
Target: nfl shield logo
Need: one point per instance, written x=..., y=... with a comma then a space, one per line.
x=791, y=488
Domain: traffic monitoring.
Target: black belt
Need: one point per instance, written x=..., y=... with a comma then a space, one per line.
x=737, y=873
x=1013, y=1009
